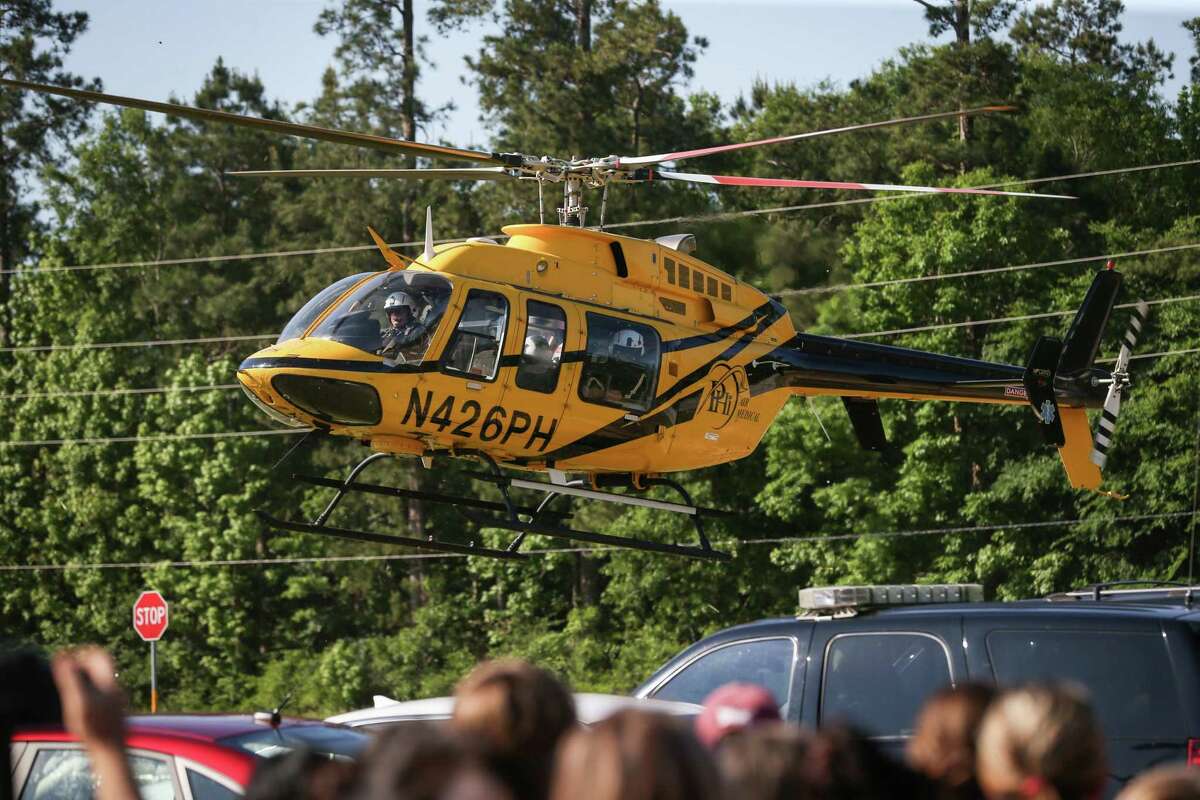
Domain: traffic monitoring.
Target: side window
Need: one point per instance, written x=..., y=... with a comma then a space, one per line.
x=766, y=662
x=475, y=347
x=712, y=286
x=542, y=353
x=878, y=682
x=65, y=774
x=669, y=266
x=1128, y=675
x=685, y=277
x=621, y=367
x=205, y=788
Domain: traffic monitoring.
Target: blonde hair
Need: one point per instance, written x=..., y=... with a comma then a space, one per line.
x=1041, y=742
x=1179, y=782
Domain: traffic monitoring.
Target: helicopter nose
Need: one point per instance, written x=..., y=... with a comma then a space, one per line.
x=256, y=386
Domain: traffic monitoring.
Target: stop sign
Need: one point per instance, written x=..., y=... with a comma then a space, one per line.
x=150, y=616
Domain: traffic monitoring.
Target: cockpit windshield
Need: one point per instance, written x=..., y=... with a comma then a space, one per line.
x=393, y=315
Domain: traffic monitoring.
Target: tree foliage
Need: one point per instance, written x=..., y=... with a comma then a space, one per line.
x=967, y=492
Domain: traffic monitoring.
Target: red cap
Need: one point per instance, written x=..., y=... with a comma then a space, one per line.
x=733, y=707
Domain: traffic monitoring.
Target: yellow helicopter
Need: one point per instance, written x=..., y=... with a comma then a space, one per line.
x=602, y=361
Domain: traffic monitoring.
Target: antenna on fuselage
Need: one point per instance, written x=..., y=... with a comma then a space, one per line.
x=427, y=256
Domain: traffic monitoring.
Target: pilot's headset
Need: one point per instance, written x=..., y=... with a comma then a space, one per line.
x=628, y=343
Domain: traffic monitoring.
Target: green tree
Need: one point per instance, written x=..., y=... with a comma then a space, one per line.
x=34, y=40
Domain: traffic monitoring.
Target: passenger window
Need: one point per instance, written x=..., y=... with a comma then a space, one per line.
x=698, y=281
x=65, y=774
x=541, y=355
x=726, y=292
x=205, y=788
x=1127, y=674
x=766, y=662
x=475, y=347
x=669, y=265
x=878, y=682
x=685, y=277
x=621, y=366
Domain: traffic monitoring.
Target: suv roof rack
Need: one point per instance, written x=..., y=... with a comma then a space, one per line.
x=846, y=600
x=1149, y=590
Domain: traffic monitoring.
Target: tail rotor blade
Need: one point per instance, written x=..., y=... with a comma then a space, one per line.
x=1112, y=401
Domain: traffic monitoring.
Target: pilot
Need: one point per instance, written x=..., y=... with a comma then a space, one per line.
x=405, y=335
x=630, y=375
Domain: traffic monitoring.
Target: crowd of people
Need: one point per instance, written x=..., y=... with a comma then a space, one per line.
x=514, y=736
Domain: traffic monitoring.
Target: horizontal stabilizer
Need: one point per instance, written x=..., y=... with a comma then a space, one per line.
x=868, y=425
x=1039, y=387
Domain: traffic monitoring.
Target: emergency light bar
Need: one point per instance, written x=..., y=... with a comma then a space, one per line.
x=834, y=598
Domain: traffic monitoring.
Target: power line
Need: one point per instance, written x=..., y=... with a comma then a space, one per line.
x=158, y=437
x=112, y=392
x=620, y=225
x=945, y=531
x=53, y=348
x=998, y=320
x=971, y=273
x=265, y=336
x=230, y=386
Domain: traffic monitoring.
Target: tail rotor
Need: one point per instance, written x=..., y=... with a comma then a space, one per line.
x=1119, y=383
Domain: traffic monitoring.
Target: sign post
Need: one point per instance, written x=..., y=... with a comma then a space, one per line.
x=150, y=620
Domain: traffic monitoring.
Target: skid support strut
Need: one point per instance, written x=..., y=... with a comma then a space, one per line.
x=507, y=514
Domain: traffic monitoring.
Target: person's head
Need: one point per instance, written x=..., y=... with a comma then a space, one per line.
x=518, y=713
x=733, y=707
x=943, y=746
x=768, y=762
x=300, y=775
x=423, y=761
x=634, y=755
x=842, y=764
x=400, y=309
x=628, y=343
x=1041, y=742
x=1177, y=782
x=537, y=348
x=27, y=697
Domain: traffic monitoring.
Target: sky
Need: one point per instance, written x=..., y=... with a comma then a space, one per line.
x=156, y=48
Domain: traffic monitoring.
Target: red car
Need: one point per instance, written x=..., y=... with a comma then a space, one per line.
x=175, y=757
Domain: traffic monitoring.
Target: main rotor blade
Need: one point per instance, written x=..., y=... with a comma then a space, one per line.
x=465, y=174
x=274, y=126
x=788, y=183
x=725, y=148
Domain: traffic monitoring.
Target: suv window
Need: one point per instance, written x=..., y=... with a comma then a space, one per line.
x=1127, y=674
x=621, y=367
x=767, y=662
x=878, y=681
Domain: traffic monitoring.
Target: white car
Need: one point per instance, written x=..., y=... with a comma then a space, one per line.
x=589, y=708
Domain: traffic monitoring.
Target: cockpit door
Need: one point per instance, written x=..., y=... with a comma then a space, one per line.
x=538, y=378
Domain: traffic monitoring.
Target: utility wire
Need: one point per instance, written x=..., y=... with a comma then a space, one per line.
x=555, y=550
x=620, y=225
x=53, y=348
x=997, y=320
x=215, y=340
x=65, y=393
x=974, y=272
x=158, y=437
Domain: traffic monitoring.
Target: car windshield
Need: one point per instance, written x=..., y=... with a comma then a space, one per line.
x=323, y=739
x=394, y=315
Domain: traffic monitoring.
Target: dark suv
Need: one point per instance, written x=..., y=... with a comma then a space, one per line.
x=872, y=655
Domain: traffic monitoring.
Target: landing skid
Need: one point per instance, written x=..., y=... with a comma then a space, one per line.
x=507, y=515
